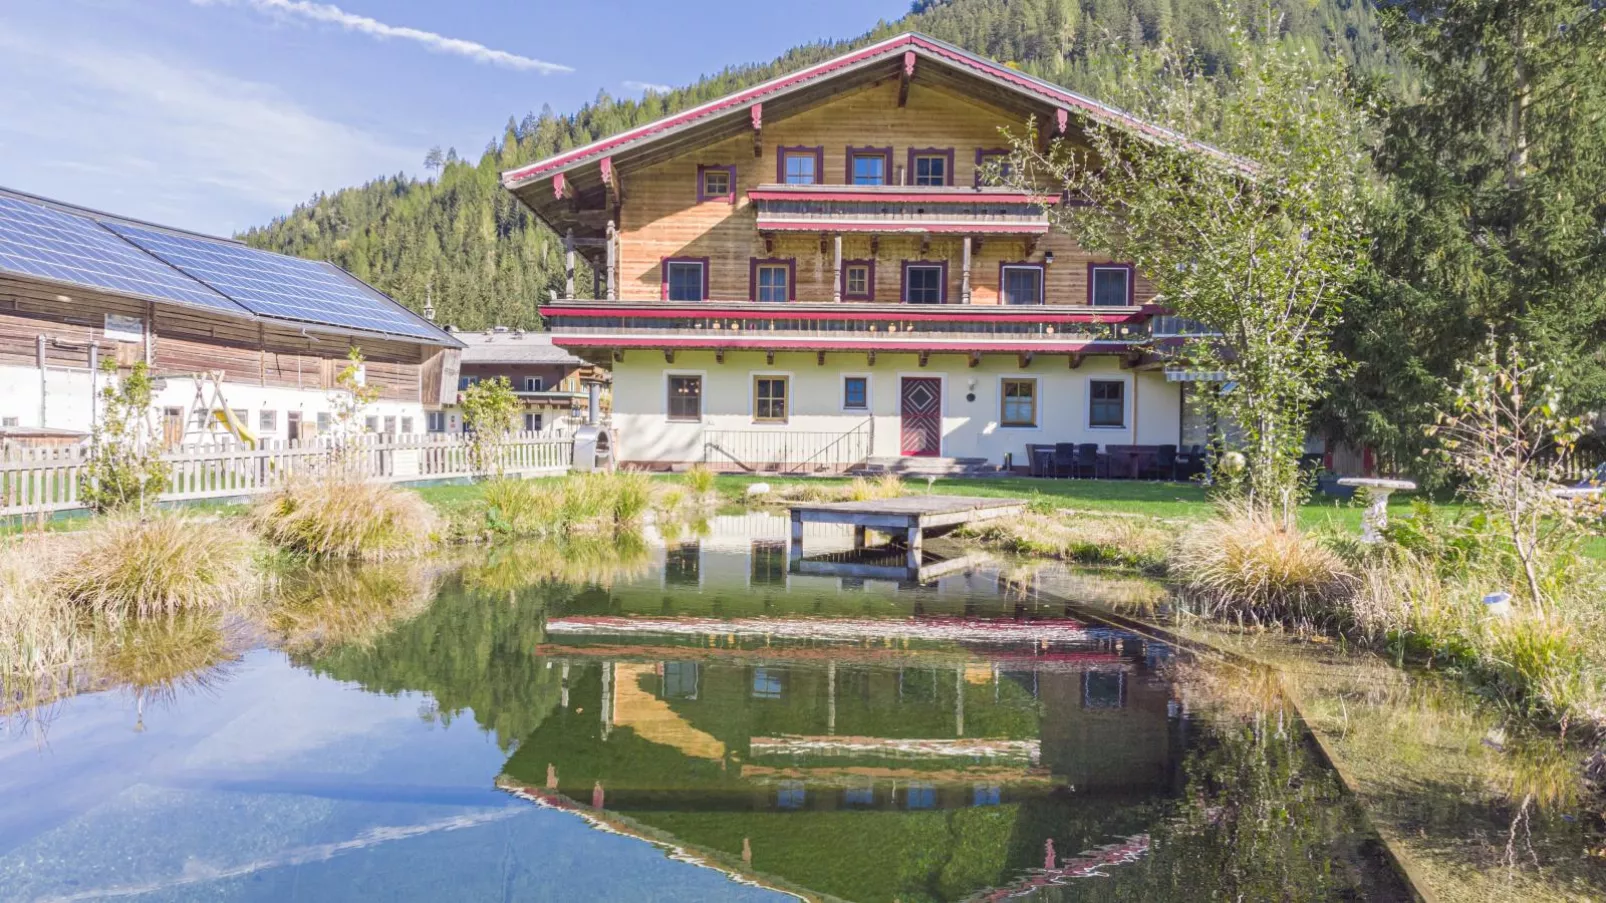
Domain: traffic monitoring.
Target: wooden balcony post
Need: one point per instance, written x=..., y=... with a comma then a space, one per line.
x=964, y=274
x=613, y=262
x=568, y=265
x=836, y=271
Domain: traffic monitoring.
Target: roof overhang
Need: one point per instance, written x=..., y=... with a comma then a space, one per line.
x=584, y=176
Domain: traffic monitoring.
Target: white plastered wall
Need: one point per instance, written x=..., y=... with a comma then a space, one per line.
x=970, y=427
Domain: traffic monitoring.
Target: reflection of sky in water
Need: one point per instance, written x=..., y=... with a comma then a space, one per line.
x=281, y=785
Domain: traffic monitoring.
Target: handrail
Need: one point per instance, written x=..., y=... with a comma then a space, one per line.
x=869, y=423
x=781, y=450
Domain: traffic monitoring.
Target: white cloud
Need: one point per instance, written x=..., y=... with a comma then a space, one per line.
x=648, y=87
x=146, y=136
x=334, y=15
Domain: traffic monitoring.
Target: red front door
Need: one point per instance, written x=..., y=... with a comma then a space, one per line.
x=922, y=416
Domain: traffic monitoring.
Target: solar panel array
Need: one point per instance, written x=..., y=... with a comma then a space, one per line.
x=45, y=243
x=274, y=285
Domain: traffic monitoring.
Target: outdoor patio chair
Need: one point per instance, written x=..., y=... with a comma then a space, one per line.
x=1064, y=459
x=1164, y=462
x=1087, y=458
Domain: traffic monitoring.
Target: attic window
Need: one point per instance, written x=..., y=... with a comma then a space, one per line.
x=716, y=183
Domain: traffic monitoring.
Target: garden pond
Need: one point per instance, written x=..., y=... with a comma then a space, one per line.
x=680, y=718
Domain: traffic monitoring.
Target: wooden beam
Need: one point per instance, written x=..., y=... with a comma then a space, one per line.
x=825, y=241
x=1024, y=359
x=719, y=355
x=869, y=357
x=769, y=358
x=568, y=264
x=1076, y=359
x=975, y=359
x=875, y=245
x=756, y=113
x=618, y=356
x=608, y=184
x=906, y=77
x=836, y=277
x=1062, y=121
x=964, y=275
x=1131, y=360
x=924, y=356
x=819, y=358
x=560, y=187
x=925, y=244
x=613, y=262
x=669, y=355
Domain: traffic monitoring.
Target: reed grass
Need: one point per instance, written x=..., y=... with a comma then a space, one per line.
x=40, y=631
x=587, y=502
x=345, y=518
x=1131, y=542
x=1250, y=566
x=700, y=480
x=132, y=566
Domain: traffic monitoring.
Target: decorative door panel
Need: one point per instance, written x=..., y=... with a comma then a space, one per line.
x=921, y=432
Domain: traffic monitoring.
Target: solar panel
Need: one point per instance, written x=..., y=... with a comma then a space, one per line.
x=274, y=285
x=48, y=244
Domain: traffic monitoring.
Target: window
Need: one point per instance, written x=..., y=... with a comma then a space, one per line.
x=767, y=563
x=1021, y=283
x=855, y=393
x=986, y=795
x=767, y=683
x=326, y=420
x=1103, y=690
x=930, y=166
x=532, y=423
x=858, y=280
x=923, y=283
x=869, y=165
x=1109, y=285
x=241, y=416
x=371, y=424
x=390, y=424
x=1106, y=404
x=463, y=382
x=685, y=398
x=800, y=165
x=11, y=421
x=532, y=383
x=789, y=794
x=435, y=421
x=680, y=680
x=685, y=279
x=407, y=426
x=992, y=166
x=920, y=795
x=716, y=183
x=771, y=280
x=268, y=421
x=683, y=564
x=858, y=796
x=1019, y=405
x=769, y=398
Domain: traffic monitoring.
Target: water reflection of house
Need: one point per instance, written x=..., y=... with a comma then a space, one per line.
x=841, y=774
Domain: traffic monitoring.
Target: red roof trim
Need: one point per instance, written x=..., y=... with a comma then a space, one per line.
x=950, y=55
x=947, y=346
x=770, y=311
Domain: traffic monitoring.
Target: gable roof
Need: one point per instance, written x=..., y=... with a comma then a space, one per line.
x=59, y=243
x=806, y=84
x=514, y=348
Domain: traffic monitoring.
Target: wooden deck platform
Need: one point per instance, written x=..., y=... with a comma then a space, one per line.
x=909, y=518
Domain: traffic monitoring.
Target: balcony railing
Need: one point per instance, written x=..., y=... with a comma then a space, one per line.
x=877, y=208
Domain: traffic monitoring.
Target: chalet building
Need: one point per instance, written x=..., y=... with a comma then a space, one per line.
x=551, y=383
x=815, y=264
x=245, y=344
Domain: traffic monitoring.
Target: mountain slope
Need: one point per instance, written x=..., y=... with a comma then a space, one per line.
x=482, y=259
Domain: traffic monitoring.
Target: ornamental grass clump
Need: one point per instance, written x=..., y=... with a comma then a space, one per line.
x=1250, y=565
x=161, y=564
x=40, y=631
x=346, y=518
x=585, y=502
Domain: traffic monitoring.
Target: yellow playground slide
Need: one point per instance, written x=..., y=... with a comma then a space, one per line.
x=226, y=418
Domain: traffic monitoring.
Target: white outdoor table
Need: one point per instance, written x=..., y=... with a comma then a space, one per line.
x=1376, y=516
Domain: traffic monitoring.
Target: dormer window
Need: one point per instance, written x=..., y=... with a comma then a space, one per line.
x=716, y=183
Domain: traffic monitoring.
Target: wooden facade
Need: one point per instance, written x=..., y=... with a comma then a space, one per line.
x=55, y=327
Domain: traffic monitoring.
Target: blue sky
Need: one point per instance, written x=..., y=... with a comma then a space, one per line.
x=216, y=115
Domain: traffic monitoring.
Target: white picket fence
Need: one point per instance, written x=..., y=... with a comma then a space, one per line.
x=43, y=480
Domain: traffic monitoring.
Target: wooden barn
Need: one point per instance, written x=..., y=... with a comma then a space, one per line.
x=223, y=327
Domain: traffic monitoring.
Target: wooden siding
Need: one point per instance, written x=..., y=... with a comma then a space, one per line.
x=187, y=340
x=661, y=216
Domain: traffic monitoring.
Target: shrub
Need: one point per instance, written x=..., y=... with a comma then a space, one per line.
x=162, y=564
x=700, y=479
x=1247, y=564
x=40, y=632
x=339, y=517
